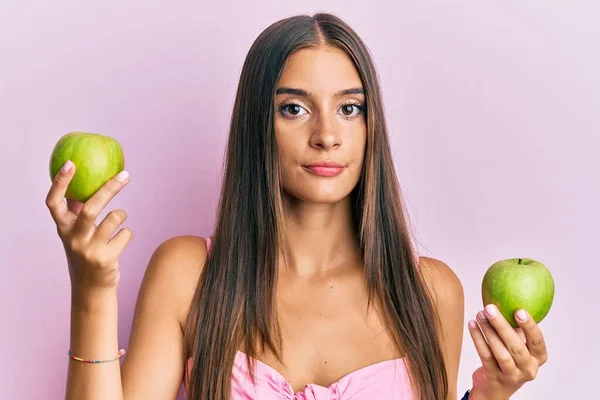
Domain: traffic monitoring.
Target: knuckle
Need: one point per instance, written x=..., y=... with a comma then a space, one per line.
x=59, y=178
x=89, y=256
x=113, y=185
x=530, y=373
x=487, y=357
x=513, y=379
x=517, y=350
x=497, y=376
x=537, y=341
x=504, y=359
x=87, y=211
x=51, y=201
x=510, y=376
x=74, y=245
x=117, y=215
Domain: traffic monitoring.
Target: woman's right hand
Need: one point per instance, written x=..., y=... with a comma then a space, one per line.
x=92, y=251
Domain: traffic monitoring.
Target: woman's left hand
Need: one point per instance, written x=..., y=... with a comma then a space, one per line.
x=511, y=357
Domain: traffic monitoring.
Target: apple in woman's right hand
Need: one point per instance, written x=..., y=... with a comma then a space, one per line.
x=517, y=283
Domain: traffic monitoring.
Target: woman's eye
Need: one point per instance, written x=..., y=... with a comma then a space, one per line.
x=351, y=110
x=293, y=110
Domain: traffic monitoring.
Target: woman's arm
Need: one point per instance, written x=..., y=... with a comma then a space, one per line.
x=448, y=296
x=94, y=336
x=153, y=365
x=509, y=358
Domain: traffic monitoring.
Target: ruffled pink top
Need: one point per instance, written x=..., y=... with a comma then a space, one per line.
x=380, y=381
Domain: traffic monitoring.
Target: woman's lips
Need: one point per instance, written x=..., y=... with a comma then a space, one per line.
x=325, y=168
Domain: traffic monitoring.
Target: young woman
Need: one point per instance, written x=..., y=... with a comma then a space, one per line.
x=310, y=287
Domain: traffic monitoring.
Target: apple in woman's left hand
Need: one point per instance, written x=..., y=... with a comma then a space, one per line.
x=510, y=357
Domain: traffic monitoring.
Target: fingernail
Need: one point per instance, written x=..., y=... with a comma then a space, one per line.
x=122, y=176
x=482, y=316
x=472, y=324
x=67, y=166
x=522, y=315
x=491, y=310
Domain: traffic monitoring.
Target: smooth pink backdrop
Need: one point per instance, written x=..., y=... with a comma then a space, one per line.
x=492, y=109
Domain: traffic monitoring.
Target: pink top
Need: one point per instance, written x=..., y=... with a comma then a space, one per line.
x=383, y=380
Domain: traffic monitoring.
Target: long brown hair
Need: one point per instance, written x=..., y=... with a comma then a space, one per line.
x=234, y=301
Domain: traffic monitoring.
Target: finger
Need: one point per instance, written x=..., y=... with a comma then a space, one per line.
x=94, y=206
x=117, y=244
x=74, y=206
x=56, y=195
x=501, y=353
x=109, y=225
x=521, y=334
x=483, y=349
x=509, y=337
x=533, y=334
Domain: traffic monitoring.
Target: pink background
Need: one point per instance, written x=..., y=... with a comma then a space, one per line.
x=493, y=112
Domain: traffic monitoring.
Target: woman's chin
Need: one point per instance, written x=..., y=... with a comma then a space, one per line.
x=330, y=191
x=320, y=197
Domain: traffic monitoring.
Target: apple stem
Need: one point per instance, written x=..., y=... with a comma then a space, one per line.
x=520, y=259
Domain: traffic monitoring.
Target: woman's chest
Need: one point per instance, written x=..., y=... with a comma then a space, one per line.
x=328, y=332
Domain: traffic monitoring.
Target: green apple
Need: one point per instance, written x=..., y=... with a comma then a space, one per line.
x=97, y=159
x=517, y=283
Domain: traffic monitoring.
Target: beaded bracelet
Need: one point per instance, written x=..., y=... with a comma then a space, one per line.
x=121, y=353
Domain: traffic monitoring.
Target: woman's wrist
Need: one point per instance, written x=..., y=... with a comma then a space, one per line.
x=476, y=394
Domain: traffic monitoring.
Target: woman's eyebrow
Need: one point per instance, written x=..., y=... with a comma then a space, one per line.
x=304, y=93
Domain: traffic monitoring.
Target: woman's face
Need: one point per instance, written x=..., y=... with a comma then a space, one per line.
x=320, y=125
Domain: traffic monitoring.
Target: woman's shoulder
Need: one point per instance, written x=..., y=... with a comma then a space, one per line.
x=182, y=247
x=177, y=263
x=441, y=279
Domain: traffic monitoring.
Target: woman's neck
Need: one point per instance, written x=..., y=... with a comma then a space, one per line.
x=319, y=237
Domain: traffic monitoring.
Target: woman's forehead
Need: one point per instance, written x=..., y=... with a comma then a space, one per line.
x=324, y=71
